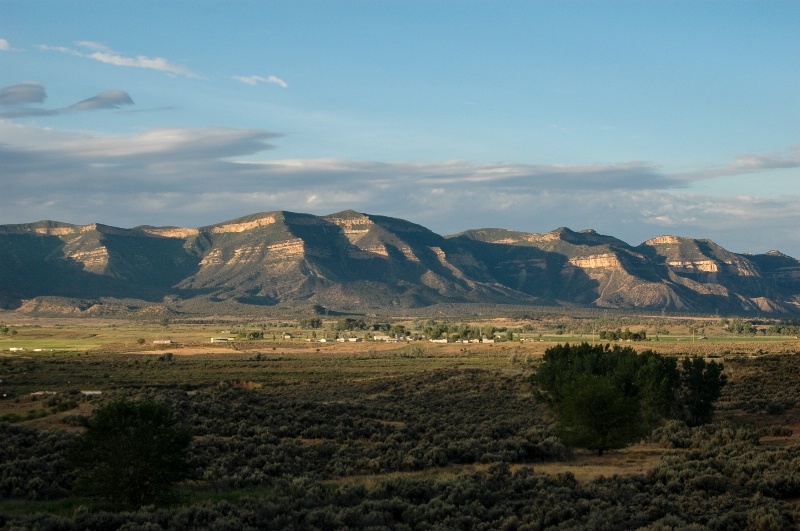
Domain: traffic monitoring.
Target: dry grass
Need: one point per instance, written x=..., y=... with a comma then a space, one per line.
x=586, y=466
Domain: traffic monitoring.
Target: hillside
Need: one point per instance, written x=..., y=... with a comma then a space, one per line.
x=356, y=262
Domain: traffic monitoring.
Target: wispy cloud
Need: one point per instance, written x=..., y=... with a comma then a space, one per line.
x=194, y=177
x=92, y=45
x=16, y=100
x=111, y=99
x=749, y=163
x=100, y=52
x=254, y=80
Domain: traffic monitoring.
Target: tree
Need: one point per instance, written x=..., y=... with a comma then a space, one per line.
x=597, y=415
x=131, y=454
x=701, y=386
x=607, y=397
x=313, y=322
x=350, y=323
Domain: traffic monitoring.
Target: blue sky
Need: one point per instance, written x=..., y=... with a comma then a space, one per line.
x=636, y=119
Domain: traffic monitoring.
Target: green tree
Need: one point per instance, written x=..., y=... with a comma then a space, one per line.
x=701, y=386
x=132, y=453
x=606, y=397
x=350, y=323
x=595, y=414
x=313, y=322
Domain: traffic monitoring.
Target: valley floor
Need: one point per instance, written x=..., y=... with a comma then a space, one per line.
x=295, y=434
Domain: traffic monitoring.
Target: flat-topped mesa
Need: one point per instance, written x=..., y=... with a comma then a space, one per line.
x=58, y=231
x=350, y=260
x=534, y=237
x=106, y=229
x=54, y=228
x=507, y=236
x=242, y=226
x=561, y=234
x=690, y=255
x=45, y=227
x=170, y=232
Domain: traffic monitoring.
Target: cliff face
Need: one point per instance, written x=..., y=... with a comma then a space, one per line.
x=354, y=261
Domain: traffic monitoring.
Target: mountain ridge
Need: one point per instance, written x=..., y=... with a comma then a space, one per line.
x=352, y=261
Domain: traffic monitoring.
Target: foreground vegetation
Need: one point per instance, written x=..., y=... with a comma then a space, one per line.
x=393, y=437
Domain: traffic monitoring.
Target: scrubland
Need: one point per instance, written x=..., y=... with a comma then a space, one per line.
x=289, y=433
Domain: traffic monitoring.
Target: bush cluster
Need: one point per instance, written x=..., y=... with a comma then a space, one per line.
x=296, y=451
x=33, y=463
x=249, y=438
x=686, y=498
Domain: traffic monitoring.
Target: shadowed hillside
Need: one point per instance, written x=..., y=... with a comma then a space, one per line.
x=351, y=261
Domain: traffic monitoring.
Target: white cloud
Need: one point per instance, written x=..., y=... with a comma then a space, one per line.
x=106, y=55
x=5, y=46
x=191, y=177
x=277, y=81
x=254, y=80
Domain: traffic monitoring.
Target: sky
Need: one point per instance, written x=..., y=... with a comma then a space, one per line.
x=632, y=118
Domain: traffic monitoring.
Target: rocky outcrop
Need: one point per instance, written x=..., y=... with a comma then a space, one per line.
x=354, y=261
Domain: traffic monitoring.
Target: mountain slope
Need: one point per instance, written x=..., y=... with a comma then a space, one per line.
x=353, y=262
